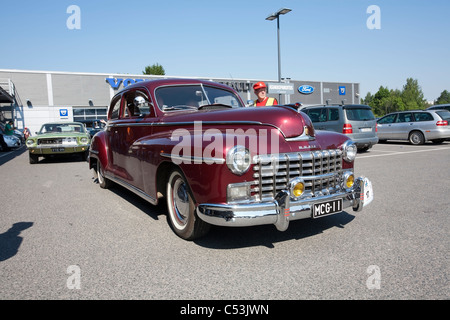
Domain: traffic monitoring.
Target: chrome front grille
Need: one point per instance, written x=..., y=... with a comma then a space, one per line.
x=321, y=170
x=50, y=141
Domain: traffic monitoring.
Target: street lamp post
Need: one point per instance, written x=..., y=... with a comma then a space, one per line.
x=274, y=16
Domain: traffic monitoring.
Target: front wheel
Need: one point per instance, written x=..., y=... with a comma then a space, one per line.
x=103, y=182
x=33, y=158
x=181, y=209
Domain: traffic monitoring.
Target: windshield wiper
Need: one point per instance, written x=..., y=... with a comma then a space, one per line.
x=215, y=106
x=179, y=107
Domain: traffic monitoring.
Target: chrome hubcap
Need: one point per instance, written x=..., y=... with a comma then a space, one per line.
x=180, y=200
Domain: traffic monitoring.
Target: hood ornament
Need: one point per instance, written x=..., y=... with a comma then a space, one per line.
x=305, y=136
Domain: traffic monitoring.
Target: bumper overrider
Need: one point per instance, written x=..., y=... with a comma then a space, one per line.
x=285, y=207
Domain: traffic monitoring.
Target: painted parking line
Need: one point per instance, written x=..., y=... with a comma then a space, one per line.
x=403, y=152
x=385, y=151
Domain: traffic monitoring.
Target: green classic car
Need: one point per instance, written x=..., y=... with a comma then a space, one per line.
x=59, y=138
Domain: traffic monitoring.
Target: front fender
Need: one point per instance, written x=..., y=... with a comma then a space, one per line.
x=98, y=150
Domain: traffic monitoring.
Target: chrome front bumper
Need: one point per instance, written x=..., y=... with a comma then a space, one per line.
x=279, y=211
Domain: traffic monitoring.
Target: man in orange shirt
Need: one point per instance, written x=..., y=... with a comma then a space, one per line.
x=263, y=100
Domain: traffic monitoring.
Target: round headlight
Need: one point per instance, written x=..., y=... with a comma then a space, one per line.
x=84, y=140
x=238, y=160
x=30, y=142
x=349, y=151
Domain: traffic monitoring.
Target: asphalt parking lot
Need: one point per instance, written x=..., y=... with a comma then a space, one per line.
x=62, y=237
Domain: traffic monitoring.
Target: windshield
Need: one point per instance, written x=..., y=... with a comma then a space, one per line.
x=62, y=128
x=359, y=114
x=172, y=98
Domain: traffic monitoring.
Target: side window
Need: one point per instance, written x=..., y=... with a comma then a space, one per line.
x=323, y=114
x=314, y=114
x=137, y=104
x=115, y=108
x=388, y=119
x=333, y=114
x=423, y=116
x=404, y=117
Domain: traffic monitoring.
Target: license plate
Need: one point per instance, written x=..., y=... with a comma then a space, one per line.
x=58, y=149
x=326, y=208
x=366, y=129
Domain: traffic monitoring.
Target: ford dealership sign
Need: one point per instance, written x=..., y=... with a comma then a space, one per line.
x=306, y=89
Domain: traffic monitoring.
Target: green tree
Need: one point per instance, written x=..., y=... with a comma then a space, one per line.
x=443, y=98
x=412, y=95
x=379, y=101
x=155, y=69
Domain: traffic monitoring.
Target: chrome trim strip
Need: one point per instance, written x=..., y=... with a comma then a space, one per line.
x=193, y=159
x=184, y=123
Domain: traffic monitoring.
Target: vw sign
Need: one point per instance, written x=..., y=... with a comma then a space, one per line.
x=305, y=89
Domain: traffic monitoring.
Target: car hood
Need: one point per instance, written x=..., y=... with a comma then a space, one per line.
x=59, y=135
x=290, y=122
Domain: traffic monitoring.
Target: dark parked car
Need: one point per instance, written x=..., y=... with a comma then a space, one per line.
x=93, y=126
x=217, y=162
x=440, y=107
x=417, y=126
x=355, y=121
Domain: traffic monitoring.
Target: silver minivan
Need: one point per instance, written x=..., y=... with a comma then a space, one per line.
x=417, y=126
x=355, y=121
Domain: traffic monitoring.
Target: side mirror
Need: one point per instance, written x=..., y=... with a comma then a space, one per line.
x=145, y=110
x=142, y=106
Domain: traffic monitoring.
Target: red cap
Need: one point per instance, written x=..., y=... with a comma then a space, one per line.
x=259, y=85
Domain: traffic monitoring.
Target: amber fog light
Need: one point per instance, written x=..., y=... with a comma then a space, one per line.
x=297, y=188
x=349, y=180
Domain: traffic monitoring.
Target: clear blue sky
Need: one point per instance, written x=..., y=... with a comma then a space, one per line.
x=321, y=40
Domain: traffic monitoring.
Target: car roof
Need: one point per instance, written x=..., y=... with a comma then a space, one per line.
x=152, y=84
x=63, y=122
x=438, y=106
x=413, y=111
x=345, y=106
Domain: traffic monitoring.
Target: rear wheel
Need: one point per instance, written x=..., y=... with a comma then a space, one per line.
x=416, y=138
x=181, y=209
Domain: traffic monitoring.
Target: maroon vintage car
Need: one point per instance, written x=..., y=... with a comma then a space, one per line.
x=217, y=162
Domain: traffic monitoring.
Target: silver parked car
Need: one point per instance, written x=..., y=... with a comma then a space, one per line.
x=355, y=121
x=416, y=126
x=10, y=142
